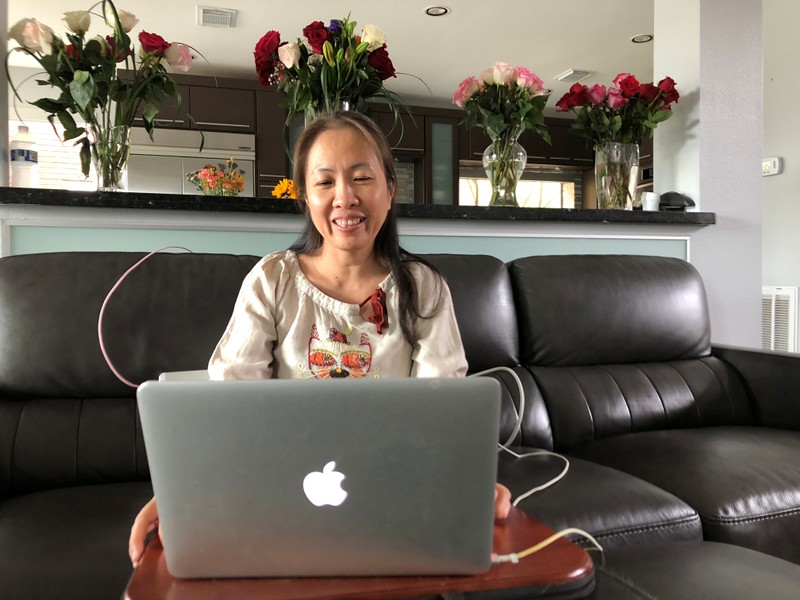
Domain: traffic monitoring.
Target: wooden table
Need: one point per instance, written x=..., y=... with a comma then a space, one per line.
x=560, y=570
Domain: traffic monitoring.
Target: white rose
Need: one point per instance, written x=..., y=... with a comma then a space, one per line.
x=127, y=21
x=78, y=21
x=487, y=76
x=33, y=36
x=504, y=73
x=289, y=54
x=373, y=36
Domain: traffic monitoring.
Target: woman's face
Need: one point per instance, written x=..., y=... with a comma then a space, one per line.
x=347, y=193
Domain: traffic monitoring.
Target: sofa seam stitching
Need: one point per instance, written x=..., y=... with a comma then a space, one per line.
x=733, y=520
x=685, y=522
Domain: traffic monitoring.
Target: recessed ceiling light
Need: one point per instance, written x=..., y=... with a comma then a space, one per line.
x=642, y=38
x=437, y=11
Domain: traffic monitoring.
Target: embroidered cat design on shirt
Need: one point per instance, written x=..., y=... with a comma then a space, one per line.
x=336, y=357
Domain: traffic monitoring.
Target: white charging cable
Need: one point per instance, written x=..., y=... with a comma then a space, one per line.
x=515, y=432
x=103, y=311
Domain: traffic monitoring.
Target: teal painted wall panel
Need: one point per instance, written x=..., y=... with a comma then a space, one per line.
x=35, y=239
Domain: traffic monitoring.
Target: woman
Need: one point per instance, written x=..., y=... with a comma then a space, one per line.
x=345, y=300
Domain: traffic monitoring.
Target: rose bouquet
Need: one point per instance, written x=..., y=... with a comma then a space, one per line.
x=331, y=66
x=627, y=111
x=85, y=73
x=615, y=119
x=223, y=180
x=504, y=101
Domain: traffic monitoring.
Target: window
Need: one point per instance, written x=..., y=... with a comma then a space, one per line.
x=59, y=162
x=537, y=188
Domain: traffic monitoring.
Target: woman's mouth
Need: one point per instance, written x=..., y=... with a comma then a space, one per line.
x=349, y=222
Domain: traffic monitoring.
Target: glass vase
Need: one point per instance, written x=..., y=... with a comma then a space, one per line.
x=110, y=149
x=504, y=161
x=324, y=107
x=616, y=174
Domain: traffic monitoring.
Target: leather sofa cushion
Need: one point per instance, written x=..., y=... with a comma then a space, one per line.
x=693, y=570
x=596, y=310
x=613, y=506
x=593, y=402
x=68, y=543
x=61, y=442
x=166, y=316
x=484, y=306
x=741, y=480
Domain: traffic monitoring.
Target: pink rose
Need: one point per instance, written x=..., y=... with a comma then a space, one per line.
x=179, y=57
x=528, y=79
x=33, y=36
x=465, y=91
x=616, y=99
x=596, y=94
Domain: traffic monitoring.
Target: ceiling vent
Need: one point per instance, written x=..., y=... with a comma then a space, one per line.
x=211, y=16
x=573, y=75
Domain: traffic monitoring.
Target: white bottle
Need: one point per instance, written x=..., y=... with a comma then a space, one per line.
x=24, y=159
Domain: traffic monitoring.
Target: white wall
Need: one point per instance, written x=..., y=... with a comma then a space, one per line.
x=781, y=242
x=726, y=142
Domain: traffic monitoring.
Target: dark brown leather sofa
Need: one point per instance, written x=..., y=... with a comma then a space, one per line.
x=681, y=454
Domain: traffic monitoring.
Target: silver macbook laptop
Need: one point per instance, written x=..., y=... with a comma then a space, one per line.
x=321, y=478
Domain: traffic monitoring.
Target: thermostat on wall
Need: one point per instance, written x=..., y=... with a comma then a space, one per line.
x=771, y=166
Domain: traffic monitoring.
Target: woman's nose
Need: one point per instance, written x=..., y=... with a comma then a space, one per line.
x=345, y=194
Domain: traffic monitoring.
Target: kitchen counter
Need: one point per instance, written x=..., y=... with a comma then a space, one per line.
x=134, y=200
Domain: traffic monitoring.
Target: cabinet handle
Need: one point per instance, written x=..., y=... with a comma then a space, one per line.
x=224, y=124
x=260, y=175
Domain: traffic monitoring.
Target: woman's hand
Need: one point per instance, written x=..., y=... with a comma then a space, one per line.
x=145, y=522
x=502, y=502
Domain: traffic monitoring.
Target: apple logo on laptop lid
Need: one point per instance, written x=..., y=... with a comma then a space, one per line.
x=325, y=487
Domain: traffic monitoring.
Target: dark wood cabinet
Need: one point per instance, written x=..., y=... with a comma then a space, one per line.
x=224, y=109
x=407, y=135
x=172, y=114
x=272, y=160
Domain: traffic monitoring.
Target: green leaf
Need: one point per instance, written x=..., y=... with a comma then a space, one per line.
x=82, y=88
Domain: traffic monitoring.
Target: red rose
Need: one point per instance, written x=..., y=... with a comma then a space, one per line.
x=667, y=87
x=72, y=52
x=576, y=96
x=648, y=91
x=629, y=86
x=264, y=54
x=317, y=34
x=379, y=60
x=153, y=43
x=111, y=50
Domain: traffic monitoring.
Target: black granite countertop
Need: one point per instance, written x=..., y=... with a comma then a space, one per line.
x=40, y=197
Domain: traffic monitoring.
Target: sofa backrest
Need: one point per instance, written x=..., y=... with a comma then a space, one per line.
x=618, y=344
x=65, y=418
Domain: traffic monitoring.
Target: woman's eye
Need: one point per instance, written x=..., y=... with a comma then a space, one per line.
x=363, y=178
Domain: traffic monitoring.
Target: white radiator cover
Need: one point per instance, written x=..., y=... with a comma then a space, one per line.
x=779, y=318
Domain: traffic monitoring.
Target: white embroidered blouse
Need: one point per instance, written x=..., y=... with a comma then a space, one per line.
x=283, y=327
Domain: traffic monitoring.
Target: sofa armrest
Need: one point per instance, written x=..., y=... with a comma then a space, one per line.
x=772, y=380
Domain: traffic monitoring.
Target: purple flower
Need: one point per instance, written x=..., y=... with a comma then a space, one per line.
x=335, y=26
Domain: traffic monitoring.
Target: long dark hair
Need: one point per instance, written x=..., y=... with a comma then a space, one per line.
x=387, y=242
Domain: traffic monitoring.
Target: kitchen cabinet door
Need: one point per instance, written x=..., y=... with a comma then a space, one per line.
x=272, y=160
x=224, y=109
x=170, y=115
x=405, y=137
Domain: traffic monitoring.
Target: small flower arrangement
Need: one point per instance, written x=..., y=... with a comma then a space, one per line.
x=504, y=99
x=224, y=180
x=332, y=65
x=285, y=189
x=85, y=71
x=626, y=112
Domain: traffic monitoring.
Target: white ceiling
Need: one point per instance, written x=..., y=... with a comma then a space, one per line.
x=546, y=36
